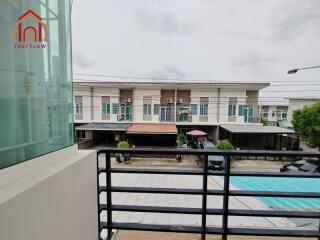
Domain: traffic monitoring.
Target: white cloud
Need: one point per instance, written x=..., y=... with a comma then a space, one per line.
x=255, y=40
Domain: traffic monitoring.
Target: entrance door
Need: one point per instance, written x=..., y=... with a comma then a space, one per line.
x=248, y=114
x=166, y=113
x=128, y=112
x=125, y=112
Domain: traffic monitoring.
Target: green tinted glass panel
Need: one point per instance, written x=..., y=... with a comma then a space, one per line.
x=241, y=110
x=115, y=108
x=104, y=108
x=35, y=81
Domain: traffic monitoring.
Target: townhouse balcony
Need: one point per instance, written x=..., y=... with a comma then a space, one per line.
x=184, y=113
x=166, y=113
x=79, y=193
x=125, y=105
x=137, y=199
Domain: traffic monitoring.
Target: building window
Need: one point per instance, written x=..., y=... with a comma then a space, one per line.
x=194, y=109
x=284, y=115
x=240, y=110
x=147, y=109
x=203, y=109
x=115, y=108
x=232, y=110
x=247, y=112
x=81, y=134
x=79, y=108
x=79, y=105
x=265, y=115
x=105, y=108
x=156, y=109
x=105, y=105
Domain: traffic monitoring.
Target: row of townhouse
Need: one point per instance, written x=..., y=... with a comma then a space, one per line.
x=274, y=112
x=284, y=111
x=151, y=107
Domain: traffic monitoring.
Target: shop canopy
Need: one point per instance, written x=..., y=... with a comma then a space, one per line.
x=255, y=129
x=152, y=128
x=104, y=126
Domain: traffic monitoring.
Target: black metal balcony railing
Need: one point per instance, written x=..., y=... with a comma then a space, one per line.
x=225, y=211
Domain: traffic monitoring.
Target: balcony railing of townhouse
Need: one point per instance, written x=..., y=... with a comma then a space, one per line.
x=204, y=211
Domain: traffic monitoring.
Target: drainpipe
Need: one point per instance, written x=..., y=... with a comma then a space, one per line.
x=218, y=109
x=175, y=106
x=91, y=107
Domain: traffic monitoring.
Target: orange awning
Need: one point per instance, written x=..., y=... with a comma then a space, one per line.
x=152, y=128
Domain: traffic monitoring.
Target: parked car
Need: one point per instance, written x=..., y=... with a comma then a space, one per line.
x=215, y=162
x=302, y=165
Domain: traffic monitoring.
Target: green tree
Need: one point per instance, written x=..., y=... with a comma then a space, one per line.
x=224, y=144
x=306, y=123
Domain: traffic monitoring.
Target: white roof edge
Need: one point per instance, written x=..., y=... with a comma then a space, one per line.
x=171, y=82
x=303, y=98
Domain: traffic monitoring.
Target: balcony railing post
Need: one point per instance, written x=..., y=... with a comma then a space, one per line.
x=226, y=199
x=203, y=229
x=204, y=197
x=98, y=197
x=319, y=229
x=109, y=195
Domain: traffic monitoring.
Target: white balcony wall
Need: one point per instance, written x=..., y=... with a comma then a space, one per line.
x=270, y=117
x=83, y=91
x=225, y=94
x=99, y=92
x=50, y=197
x=137, y=108
x=212, y=104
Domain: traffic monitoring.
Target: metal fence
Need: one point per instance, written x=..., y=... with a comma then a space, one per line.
x=204, y=211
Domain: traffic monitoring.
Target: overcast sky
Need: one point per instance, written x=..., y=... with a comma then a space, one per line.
x=235, y=40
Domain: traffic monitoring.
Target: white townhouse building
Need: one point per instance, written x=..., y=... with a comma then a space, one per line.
x=296, y=103
x=105, y=111
x=274, y=112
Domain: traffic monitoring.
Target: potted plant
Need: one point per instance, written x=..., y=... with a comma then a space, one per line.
x=120, y=157
x=181, y=140
x=224, y=144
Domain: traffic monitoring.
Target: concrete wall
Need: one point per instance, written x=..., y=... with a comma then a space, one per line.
x=99, y=92
x=95, y=105
x=252, y=100
x=50, y=197
x=273, y=109
x=225, y=94
x=137, y=108
x=83, y=91
x=212, y=104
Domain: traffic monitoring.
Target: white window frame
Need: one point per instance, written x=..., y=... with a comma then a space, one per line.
x=204, y=109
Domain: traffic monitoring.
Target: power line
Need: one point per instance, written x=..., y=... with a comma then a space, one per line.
x=152, y=78
x=160, y=78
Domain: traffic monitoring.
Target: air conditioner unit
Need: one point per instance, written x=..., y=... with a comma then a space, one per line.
x=180, y=100
x=128, y=100
x=170, y=100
